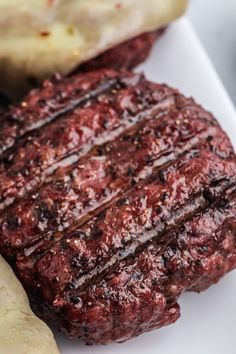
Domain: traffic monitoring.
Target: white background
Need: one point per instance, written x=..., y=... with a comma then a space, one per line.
x=215, y=24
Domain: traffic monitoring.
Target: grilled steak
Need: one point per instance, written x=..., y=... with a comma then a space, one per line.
x=126, y=55
x=117, y=194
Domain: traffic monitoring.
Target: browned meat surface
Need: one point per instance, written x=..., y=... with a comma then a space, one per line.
x=117, y=195
x=126, y=55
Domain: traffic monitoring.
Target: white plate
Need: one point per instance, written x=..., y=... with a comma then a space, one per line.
x=207, y=324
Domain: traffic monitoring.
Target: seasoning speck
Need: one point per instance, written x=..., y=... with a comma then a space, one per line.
x=70, y=30
x=44, y=33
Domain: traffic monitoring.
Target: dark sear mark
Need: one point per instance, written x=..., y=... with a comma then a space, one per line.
x=162, y=176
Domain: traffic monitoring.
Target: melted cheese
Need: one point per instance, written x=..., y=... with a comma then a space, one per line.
x=39, y=37
x=21, y=331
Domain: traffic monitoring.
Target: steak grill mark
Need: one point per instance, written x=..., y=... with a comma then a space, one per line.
x=57, y=98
